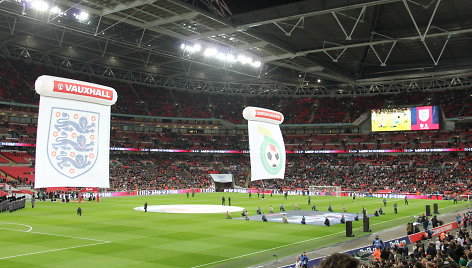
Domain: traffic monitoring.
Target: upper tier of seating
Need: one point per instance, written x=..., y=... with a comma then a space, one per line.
x=17, y=82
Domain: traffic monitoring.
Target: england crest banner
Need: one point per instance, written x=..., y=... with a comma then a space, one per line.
x=266, y=144
x=73, y=136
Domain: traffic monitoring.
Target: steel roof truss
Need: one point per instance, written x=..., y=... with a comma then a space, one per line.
x=299, y=24
x=121, y=6
x=358, y=19
x=384, y=61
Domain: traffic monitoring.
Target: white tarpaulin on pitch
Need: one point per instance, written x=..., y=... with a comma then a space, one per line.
x=222, y=177
x=73, y=138
x=266, y=144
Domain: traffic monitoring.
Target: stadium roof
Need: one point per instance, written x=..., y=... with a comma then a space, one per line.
x=349, y=46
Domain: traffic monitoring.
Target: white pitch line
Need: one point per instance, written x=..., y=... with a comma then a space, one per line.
x=52, y=250
x=294, y=243
x=67, y=236
x=30, y=228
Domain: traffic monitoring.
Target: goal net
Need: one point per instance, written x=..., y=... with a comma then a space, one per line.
x=325, y=190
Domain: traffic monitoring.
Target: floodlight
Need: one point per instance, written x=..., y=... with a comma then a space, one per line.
x=39, y=5
x=191, y=49
x=83, y=16
x=221, y=56
x=256, y=64
x=210, y=52
x=231, y=58
x=197, y=47
x=55, y=10
x=244, y=59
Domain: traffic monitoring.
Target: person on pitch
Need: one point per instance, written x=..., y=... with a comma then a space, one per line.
x=264, y=218
x=326, y=222
x=284, y=219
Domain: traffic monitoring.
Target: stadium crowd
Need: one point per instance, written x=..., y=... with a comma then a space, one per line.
x=432, y=173
x=17, y=82
x=440, y=173
x=353, y=172
x=427, y=174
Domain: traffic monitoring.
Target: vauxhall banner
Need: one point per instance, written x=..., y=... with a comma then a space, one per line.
x=73, y=136
x=266, y=144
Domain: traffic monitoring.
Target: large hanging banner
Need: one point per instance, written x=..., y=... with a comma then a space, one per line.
x=266, y=144
x=222, y=177
x=73, y=136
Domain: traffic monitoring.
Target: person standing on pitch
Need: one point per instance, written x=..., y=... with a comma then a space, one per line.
x=395, y=208
x=406, y=200
x=385, y=202
x=229, y=200
x=32, y=202
x=145, y=207
x=223, y=202
x=309, y=200
x=79, y=211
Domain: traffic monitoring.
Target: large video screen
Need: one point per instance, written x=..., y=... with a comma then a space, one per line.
x=401, y=119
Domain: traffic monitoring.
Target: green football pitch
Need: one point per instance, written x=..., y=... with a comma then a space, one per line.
x=111, y=233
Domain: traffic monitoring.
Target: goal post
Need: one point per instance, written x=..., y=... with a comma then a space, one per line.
x=325, y=190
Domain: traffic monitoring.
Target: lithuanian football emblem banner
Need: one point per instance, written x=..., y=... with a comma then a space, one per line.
x=73, y=136
x=266, y=144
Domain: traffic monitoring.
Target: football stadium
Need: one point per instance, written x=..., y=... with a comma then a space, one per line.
x=236, y=133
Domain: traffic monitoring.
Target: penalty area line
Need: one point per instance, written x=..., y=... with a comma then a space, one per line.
x=53, y=250
x=296, y=243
